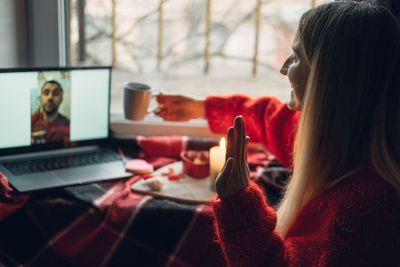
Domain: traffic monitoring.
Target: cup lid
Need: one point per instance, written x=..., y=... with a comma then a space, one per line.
x=137, y=86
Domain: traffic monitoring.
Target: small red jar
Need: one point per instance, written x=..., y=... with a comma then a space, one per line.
x=196, y=163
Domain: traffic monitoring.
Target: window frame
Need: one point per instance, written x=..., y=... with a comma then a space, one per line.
x=45, y=27
x=154, y=126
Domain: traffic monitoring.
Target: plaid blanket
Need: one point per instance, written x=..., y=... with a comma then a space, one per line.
x=106, y=224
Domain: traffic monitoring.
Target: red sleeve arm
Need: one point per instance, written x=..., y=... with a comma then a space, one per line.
x=267, y=120
x=245, y=227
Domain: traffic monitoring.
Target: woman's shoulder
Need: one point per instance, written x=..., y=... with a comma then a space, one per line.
x=360, y=199
x=370, y=204
x=364, y=194
x=367, y=187
x=366, y=218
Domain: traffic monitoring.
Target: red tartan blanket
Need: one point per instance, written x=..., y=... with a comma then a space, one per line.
x=106, y=224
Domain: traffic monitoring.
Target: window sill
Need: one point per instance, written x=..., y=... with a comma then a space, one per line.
x=155, y=126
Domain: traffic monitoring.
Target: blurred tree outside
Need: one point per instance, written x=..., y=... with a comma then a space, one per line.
x=126, y=34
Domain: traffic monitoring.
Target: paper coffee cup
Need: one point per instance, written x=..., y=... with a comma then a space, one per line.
x=137, y=98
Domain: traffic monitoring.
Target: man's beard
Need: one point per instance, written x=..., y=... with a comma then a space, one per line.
x=50, y=112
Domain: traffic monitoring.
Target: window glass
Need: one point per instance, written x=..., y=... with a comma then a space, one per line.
x=8, y=30
x=163, y=43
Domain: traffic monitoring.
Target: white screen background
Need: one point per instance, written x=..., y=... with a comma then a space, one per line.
x=15, y=116
x=89, y=104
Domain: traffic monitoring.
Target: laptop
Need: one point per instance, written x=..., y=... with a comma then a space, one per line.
x=55, y=127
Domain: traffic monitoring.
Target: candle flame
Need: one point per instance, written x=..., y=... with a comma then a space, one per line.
x=222, y=143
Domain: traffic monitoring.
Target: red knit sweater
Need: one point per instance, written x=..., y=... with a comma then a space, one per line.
x=355, y=223
x=267, y=120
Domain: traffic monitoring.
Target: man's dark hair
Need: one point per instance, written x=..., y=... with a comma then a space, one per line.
x=53, y=82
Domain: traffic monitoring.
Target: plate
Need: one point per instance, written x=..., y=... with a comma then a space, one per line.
x=186, y=189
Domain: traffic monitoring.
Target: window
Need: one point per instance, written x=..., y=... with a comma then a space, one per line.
x=198, y=47
x=9, y=44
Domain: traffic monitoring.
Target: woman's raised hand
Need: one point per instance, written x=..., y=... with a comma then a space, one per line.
x=179, y=107
x=235, y=174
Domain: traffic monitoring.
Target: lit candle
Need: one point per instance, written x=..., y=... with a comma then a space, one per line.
x=217, y=161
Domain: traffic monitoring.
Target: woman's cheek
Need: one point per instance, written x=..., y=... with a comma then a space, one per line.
x=292, y=104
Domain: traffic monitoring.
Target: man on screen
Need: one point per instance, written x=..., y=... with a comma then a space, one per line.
x=47, y=124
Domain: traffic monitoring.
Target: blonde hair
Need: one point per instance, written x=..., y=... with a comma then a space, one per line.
x=350, y=114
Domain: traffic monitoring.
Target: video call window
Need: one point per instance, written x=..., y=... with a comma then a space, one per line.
x=50, y=108
x=54, y=106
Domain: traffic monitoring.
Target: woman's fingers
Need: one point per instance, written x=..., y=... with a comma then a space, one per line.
x=235, y=142
x=234, y=176
x=240, y=138
x=226, y=171
x=238, y=144
x=245, y=150
x=161, y=111
x=161, y=97
x=230, y=144
x=224, y=180
x=243, y=137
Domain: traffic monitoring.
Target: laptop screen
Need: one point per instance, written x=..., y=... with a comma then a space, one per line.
x=41, y=108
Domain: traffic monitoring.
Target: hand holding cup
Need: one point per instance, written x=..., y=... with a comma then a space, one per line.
x=179, y=107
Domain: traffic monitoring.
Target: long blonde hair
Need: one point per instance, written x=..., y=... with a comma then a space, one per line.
x=351, y=108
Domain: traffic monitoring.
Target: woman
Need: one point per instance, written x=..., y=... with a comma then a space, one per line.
x=341, y=207
x=268, y=120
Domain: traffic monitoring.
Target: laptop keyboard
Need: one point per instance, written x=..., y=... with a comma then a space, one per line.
x=21, y=167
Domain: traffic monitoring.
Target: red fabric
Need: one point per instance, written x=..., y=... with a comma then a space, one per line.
x=162, y=150
x=158, y=162
x=267, y=120
x=106, y=224
x=9, y=203
x=162, y=146
x=257, y=158
x=92, y=232
x=55, y=131
x=355, y=223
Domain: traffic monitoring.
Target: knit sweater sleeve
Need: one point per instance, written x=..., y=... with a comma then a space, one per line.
x=245, y=226
x=267, y=120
